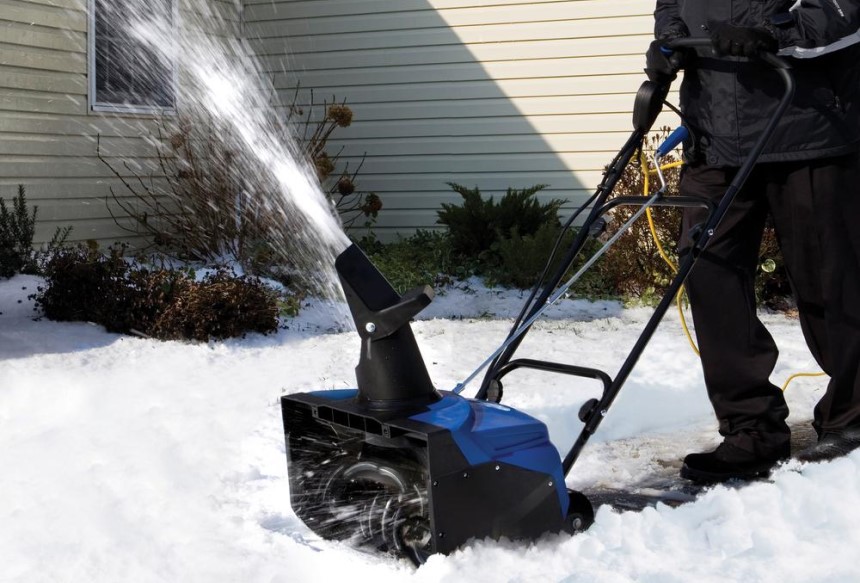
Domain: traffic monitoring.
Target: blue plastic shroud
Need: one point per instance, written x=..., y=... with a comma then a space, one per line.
x=488, y=432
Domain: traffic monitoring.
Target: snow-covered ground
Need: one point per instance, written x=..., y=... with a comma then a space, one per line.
x=135, y=460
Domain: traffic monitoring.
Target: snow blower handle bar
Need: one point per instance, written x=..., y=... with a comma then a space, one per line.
x=701, y=43
x=598, y=409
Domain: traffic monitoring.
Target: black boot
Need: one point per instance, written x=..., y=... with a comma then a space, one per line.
x=729, y=462
x=831, y=444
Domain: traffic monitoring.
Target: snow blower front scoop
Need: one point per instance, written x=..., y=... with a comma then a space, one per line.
x=407, y=469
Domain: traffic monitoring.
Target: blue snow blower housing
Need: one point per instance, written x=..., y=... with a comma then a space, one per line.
x=405, y=468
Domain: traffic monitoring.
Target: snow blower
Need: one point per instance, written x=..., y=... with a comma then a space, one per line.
x=407, y=469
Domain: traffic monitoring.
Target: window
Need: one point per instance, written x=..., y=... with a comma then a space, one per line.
x=125, y=75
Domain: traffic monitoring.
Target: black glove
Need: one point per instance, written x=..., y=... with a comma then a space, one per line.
x=660, y=67
x=742, y=41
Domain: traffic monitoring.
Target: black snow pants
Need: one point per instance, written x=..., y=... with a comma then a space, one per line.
x=815, y=206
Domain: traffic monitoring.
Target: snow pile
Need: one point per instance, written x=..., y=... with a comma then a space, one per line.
x=134, y=460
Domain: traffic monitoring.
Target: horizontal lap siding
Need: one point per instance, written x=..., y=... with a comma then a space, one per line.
x=44, y=125
x=491, y=94
x=47, y=135
x=494, y=94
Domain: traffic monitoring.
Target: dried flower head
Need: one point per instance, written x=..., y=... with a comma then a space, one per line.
x=323, y=165
x=177, y=140
x=339, y=114
x=345, y=186
x=372, y=205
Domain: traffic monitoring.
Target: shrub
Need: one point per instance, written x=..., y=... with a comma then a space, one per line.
x=151, y=294
x=509, y=243
x=339, y=183
x=523, y=257
x=199, y=210
x=634, y=268
x=84, y=285
x=475, y=245
x=17, y=229
x=479, y=224
x=427, y=258
x=220, y=306
x=210, y=199
x=423, y=258
x=773, y=289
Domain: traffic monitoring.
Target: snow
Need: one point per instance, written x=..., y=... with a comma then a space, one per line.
x=127, y=459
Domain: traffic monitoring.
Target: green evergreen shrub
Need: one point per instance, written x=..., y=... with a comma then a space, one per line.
x=475, y=245
x=523, y=257
x=479, y=224
x=17, y=229
x=424, y=258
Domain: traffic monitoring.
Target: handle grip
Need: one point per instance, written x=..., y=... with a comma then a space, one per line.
x=680, y=134
x=693, y=43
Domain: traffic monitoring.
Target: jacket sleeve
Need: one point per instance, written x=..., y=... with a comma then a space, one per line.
x=816, y=27
x=667, y=21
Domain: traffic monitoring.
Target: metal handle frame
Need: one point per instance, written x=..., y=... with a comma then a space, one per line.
x=500, y=364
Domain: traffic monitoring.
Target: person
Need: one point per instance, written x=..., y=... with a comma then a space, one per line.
x=807, y=179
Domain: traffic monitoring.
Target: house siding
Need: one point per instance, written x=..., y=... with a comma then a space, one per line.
x=47, y=133
x=493, y=94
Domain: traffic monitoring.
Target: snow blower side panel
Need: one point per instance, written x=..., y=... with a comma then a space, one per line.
x=494, y=473
x=423, y=483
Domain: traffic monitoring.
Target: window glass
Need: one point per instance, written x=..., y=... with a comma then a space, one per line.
x=127, y=73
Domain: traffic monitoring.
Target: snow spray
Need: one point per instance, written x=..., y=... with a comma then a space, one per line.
x=220, y=78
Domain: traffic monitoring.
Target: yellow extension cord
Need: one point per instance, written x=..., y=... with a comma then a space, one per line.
x=646, y=172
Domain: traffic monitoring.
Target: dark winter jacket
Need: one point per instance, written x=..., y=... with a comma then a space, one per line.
x=727, y=100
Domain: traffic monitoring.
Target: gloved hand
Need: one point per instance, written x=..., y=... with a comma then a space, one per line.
x=660, y=67
x=742, y=41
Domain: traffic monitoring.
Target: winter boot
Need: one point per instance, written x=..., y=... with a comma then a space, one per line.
x=729, y=462
x=831, y=444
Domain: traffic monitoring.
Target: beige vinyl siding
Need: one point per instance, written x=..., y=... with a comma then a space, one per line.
x=47, y=133
x=227, y=21
x=44, y=123
x=490, y=94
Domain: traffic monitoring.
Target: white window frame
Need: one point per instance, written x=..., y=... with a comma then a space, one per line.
x=119, y=108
